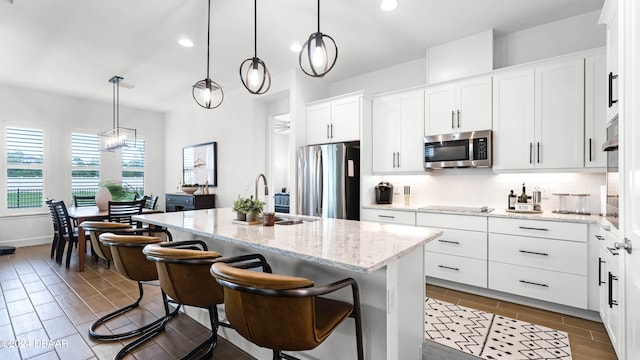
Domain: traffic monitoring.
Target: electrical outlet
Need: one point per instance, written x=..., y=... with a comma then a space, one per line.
x=545, y=193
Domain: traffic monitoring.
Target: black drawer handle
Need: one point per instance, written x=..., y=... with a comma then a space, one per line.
x=611, y=78
x=613, y=251
x=387, y=216
x=448, y=267
x=449, y=241
x=534, y=283
x=612, y=278
x=600, y=262
x=599, y=237
x=533, y=252
x=532, y=228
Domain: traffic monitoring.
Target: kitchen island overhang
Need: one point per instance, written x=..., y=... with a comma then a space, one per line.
x=386, y=260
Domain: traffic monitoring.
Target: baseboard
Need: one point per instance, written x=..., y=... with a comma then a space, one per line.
x=27, y=242
x=522, y=300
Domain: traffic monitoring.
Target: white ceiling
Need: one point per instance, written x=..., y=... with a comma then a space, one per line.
x=75, y=46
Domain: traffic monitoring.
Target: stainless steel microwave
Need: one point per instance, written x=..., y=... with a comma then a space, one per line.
x=465, y=149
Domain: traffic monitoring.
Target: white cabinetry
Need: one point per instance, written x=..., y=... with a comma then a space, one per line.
x=609, y=16
x=595, y=116
x=460, y=254
x=553, y=93
x=458, y=106
x=335, y=120
x=397, y=129
x=389, y=216
x=609, y=283
x=545, y=260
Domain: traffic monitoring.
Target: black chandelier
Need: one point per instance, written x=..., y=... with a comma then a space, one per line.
x=253, y=72
x=207, y=93
x=316, y=58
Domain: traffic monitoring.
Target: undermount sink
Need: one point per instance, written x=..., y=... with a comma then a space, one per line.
x=281, y=220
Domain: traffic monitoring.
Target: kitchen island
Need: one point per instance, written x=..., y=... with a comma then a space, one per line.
x=386, y=260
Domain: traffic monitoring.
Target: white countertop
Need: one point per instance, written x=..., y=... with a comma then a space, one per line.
x=357, y=246
x=547, y=215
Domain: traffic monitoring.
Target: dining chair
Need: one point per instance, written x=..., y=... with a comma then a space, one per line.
x=67, y=233
x=298, y=317
x=56, y=233
x=150, y=201
x=121, y=211
x=183, y=270
x=81, y=200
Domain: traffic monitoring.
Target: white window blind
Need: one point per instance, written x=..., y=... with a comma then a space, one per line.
x=85, y=164
x=24, y=164
x=133, y=165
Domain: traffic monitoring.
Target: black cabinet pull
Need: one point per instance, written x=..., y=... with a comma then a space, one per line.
x=449, y=241
x=599, y=237
x=448, y=267
x=613, y=251
x=600, y=262
x=611, y=78
x=611, y=301
x=532, y=228
x=533, y=283
x=387, y=216
x=590, y=158
x=530, y=153
x=452, y=113
x=538, y=152
x=533, y=253
x=458, y=119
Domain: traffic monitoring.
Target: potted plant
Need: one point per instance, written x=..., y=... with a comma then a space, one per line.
x=254, y=208
x=240, y=207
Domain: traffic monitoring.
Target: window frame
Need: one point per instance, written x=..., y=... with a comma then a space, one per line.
x=73, y=167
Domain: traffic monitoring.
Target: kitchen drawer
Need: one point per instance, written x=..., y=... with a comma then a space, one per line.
x=389, y=216
x=552, y=286
x=181, y=200
x=471, y=244
x=539, y=228
x=462, y=222
x=555, y=255
x=456, y=268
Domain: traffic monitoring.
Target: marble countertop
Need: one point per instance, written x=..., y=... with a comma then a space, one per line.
x=546, y=215
x=357, y=246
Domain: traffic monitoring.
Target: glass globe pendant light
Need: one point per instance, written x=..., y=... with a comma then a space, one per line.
x=319, y=53
x=253, y=72
x=207, y=93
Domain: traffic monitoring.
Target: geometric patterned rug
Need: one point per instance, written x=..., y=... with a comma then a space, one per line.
x=490, y=336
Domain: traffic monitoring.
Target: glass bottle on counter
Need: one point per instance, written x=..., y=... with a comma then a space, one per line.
x=512, y=201
x=523, y=197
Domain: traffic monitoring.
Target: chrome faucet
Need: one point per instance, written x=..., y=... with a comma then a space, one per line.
x=266, y=186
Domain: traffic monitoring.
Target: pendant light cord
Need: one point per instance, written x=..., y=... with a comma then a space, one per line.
x=208, y=35
x=114, y=105
x=255, y=28
x=318, y=15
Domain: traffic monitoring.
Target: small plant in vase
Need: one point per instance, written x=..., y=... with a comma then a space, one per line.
x=254, y=208
x=240, y=206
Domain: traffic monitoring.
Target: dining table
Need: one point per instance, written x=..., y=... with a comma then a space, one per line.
x=91, y=213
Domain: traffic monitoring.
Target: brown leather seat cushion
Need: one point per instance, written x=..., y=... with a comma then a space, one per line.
x=128, y=257
x=96, y=228
x=258, y=279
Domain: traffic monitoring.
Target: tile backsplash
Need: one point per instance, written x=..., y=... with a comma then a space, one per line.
x=483, y=187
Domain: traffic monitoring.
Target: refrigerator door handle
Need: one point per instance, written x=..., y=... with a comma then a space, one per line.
x=319, y=184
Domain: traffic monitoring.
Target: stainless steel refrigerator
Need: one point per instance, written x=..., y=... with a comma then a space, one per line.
x=329, y=180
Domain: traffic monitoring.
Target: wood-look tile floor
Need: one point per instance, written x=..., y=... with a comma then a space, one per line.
x=46, y=310
x=589, y=339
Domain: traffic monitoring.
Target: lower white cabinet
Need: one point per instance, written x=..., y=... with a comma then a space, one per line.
x=609, y=284
x=389, y=216
x=460, y=254
x=544, y=260
x=548, y=285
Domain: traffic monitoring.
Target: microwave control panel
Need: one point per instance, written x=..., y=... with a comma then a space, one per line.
x=480, y=149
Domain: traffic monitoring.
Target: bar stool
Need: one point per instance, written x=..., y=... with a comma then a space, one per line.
x=183, y=270
x=285, y=313
x=129, y=261
x=95, y=229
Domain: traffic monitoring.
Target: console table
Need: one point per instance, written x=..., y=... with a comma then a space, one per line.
x=183, y=202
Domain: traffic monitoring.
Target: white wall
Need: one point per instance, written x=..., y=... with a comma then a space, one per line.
x=59, y=116
x=565, y=36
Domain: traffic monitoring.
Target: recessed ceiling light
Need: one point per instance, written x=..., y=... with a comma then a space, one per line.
x=388, y=5
x=295, y=47
x=185, y=42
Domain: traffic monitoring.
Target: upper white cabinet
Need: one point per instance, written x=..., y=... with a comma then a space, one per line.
x=595, y=115
x=458, y=106
x=397, y=126
x=334, y=120
x=609, y=16
x=552, y=92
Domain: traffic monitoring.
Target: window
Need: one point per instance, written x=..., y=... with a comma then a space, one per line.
x=24, y=168
x=85, y=164
x=133, y=165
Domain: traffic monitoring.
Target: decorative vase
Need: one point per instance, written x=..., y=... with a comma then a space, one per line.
x=252, y=217
x=241, y=216
x=103, y=196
